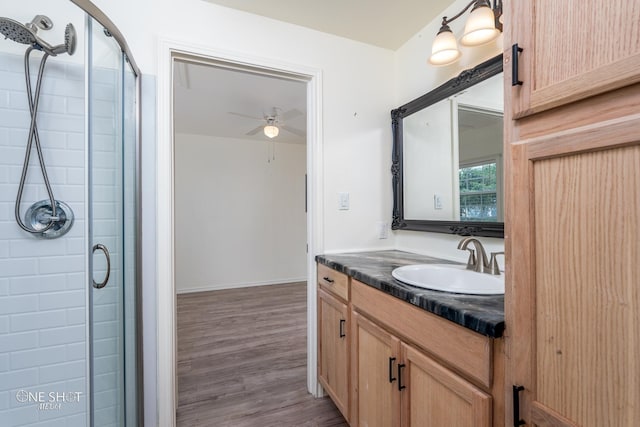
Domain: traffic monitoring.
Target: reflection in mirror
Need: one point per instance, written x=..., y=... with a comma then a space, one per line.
x=479, y=187
x=448, y=156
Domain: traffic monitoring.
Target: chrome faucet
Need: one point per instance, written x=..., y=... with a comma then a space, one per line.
x=479, y=262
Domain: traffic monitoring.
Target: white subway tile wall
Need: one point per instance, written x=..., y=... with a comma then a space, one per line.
x=43, y=327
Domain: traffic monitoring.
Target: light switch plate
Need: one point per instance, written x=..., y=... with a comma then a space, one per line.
x=383, y=230
x=343, y=201
x=437, y=201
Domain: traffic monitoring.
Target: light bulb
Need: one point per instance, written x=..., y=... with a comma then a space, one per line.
x=480, y=27
x=444, y=50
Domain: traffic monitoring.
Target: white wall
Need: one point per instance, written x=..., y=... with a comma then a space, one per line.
x=358, y=83
x=415, y=77
x=239, y=213
x=428, y=163
x=148, y=230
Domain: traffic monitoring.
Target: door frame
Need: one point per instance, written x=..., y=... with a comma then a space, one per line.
x=165, y=255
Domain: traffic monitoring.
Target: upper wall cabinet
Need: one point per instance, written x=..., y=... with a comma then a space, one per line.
x=572, y=221
x=571, y=50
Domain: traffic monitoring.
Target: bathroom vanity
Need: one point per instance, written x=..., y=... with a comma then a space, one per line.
x=391, y=354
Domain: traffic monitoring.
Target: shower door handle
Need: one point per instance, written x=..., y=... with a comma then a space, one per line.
x=105, y=251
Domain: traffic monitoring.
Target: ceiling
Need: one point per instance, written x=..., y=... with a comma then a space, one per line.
x=204, y=95
x=377, y=22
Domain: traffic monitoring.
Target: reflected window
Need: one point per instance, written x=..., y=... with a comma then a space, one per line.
x=479, y=192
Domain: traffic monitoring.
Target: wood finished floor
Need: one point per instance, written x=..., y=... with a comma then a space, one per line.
x=242, y=360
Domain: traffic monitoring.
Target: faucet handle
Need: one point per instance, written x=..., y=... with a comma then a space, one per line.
x=494, y=268
x=472, y=262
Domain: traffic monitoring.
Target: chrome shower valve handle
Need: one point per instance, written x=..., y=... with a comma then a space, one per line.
x=44, y=224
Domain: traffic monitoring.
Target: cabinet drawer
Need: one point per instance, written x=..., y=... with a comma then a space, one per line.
x=333, y=281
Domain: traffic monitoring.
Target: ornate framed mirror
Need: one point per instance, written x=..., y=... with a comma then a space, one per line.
x=447, y=156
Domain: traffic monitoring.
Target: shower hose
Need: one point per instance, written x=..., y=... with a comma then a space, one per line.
x=34, y=137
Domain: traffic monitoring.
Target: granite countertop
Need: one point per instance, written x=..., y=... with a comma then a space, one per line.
x=481, y=313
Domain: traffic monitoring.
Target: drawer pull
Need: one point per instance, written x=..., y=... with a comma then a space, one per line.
x=391, y=377
x=328, y=280
x=400, y=386
x=342, y=334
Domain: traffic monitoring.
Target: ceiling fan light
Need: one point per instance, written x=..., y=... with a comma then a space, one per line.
x=271, y=131
x=480, y=27
x=444, y=50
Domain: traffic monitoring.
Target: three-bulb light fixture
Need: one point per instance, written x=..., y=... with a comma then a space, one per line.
x=483, y=26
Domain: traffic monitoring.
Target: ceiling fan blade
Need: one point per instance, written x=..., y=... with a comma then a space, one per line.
x=244, y=115
x=255, y=131
x=294, y=130
x=291, y=114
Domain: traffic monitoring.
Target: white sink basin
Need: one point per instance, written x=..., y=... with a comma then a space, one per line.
x=450, y=278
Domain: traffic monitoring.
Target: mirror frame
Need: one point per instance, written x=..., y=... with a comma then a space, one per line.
x=464, y=80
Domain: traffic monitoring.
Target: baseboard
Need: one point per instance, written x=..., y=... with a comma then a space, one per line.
x=222, y=286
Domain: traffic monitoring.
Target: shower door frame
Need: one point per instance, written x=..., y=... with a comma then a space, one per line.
x=169, y=50
x=99, y=16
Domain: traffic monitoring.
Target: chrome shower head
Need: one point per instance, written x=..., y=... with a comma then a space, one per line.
x=16, y=31
x=27, y=34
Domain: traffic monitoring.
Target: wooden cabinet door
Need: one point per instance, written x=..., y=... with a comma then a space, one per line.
x=572, y=49
x=333, y=346
x=434, y=396
x=375, y=372
x=573, y=294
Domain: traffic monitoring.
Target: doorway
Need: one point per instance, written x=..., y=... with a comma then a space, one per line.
x=240, y=222
x=240, y=214
x=166, y=219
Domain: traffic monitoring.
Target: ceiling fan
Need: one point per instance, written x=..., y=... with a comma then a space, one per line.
x=273, y=122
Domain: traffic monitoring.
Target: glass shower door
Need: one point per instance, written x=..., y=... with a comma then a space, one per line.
x=112, y=142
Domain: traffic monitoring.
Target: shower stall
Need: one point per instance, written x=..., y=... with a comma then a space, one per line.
x=69, y=236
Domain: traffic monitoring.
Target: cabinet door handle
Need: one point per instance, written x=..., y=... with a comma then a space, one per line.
x=515, y=52
x=516, y=406
x=391, y=377
x=342, y=322
x=400, y=386
x=328, y=280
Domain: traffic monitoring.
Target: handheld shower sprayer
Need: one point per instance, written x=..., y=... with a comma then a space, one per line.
x=28, y=34
x=47, y=218
x=69, y=45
